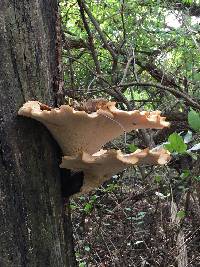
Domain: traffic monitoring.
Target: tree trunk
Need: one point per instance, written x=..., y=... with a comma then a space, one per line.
x=34, y=229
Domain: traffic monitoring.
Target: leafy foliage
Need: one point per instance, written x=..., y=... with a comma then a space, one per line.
x=194, y=120
x=181, y=214
x=132, y=147
x=142, y=31
x=176, y=144
x=144, y=55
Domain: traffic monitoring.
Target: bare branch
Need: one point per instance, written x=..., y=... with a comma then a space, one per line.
x=173, y=91
x=158, y=74
x=90, y=38
x=126, y=69
x=123, y=23
x=96, y=25
x=114, y=92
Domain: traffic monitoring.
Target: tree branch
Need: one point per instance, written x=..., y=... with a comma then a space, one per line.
x=173, y=91
x=126, y=69
x=97, y=27
x=158, y=74
x=90, y=37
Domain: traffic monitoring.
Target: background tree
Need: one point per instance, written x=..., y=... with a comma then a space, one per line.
x=35, y=229
x=145, y=55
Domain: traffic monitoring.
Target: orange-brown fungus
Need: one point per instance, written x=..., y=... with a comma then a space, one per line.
x=82, y=131
x=78, y=131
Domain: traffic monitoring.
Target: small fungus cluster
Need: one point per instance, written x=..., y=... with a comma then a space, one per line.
x=82, y=132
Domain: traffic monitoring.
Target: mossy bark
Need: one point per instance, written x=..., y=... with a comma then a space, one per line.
x=35, y=230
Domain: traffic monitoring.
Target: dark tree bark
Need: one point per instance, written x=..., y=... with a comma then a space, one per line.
x=35, y=229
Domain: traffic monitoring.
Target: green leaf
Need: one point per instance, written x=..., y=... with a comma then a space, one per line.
x=185, y=174
x=194, y=120
x=180, y=214
x=187, y=1
x=111, y=187
x=94, y=198
x=128, y=209
x=77, y=254
x=87, y=248
x=197, y=178
x=158, y=179
x=176, y=144
x=132, y=148
x=82, y=264
x=88, y=207
x=141, y=214
x=169, y=148
x=73, y=206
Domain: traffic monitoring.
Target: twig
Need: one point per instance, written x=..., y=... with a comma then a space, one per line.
x=126, y=69
x=175, y=92
x=114, y=92
x=192, y=36
x=90, y=37
x=88, y=89
x=134, y=63
x=123, y=24
x=71, y=70
x=96, y=25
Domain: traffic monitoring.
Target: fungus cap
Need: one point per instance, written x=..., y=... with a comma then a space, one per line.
x=102, y=165
x=78, y=131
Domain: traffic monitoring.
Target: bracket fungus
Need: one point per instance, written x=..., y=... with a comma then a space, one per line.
x=102, y=165
x=78, y=131
x=81, y=135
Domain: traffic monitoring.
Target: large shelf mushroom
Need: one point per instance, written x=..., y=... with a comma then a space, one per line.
x=78, y=131
x=102, y=165
x=82, y=134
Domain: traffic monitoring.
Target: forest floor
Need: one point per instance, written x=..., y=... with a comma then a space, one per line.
x=137, y=222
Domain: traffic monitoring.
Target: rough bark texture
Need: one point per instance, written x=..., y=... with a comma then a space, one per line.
x=33, y=228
